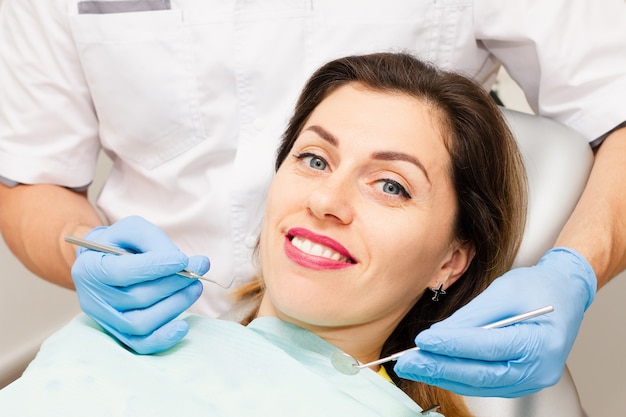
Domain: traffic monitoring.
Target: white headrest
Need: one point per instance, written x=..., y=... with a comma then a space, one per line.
x=558, y=161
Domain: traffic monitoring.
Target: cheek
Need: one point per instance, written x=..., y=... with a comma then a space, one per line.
x=411, y=257
x=267, y=243
x=277, y=204
x=283, y=193
x=280, y=205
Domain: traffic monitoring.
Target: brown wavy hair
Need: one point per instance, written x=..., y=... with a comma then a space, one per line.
x=487, y=173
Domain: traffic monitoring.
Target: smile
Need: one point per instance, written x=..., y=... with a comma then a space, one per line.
x=316, y=249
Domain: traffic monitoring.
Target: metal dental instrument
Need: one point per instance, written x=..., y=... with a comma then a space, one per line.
x=108, y=249
x=346, y=364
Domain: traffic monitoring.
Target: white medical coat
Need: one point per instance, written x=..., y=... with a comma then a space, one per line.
x=190, y=102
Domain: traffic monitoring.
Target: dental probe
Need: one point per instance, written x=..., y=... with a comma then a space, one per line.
x=348, y=365
x=108, y=249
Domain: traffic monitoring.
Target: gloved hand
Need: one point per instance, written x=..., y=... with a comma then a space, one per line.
x=136, y=297
x=457, y=355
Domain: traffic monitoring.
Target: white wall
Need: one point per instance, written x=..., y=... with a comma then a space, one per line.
x=31, y=309
x=596, y=361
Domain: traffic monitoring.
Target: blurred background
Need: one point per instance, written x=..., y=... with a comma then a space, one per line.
x=32, y=309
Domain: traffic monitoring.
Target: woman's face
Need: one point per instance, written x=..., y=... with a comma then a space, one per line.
x=359, y=218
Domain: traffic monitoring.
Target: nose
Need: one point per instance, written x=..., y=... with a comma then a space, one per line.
x=333, y=199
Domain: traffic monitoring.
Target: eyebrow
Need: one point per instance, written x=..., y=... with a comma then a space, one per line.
x=324, y=134
x=384, y=156
x=400, y=156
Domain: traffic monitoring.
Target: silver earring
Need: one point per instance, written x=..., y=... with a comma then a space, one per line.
x=438, y=291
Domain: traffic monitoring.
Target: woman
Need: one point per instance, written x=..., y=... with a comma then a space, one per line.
x=464, y=226
x=399, y=195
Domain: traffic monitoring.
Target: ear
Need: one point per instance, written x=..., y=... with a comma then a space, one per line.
x=455, y=264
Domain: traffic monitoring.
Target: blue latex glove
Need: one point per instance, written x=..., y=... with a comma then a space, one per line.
x=137, y=297
x=516, y=360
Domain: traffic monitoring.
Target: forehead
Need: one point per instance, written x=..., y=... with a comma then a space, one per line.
x=354, y=111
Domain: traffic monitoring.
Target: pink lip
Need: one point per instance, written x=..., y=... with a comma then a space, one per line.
x=312, y=261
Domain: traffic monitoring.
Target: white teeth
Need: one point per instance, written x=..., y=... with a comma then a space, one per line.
x=316, y=249
x=305, y=246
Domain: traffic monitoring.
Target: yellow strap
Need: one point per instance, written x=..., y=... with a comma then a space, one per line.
x=383, y=372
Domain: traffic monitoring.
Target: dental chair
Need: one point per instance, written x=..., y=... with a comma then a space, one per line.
x=558, y=162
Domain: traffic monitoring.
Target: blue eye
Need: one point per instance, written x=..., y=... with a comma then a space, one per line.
x=391, y=188
x=317, y=163
x=314, y=161
x=394, y=188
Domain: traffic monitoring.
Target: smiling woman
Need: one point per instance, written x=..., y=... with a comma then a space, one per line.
x=348, y=196
x=384, y=190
